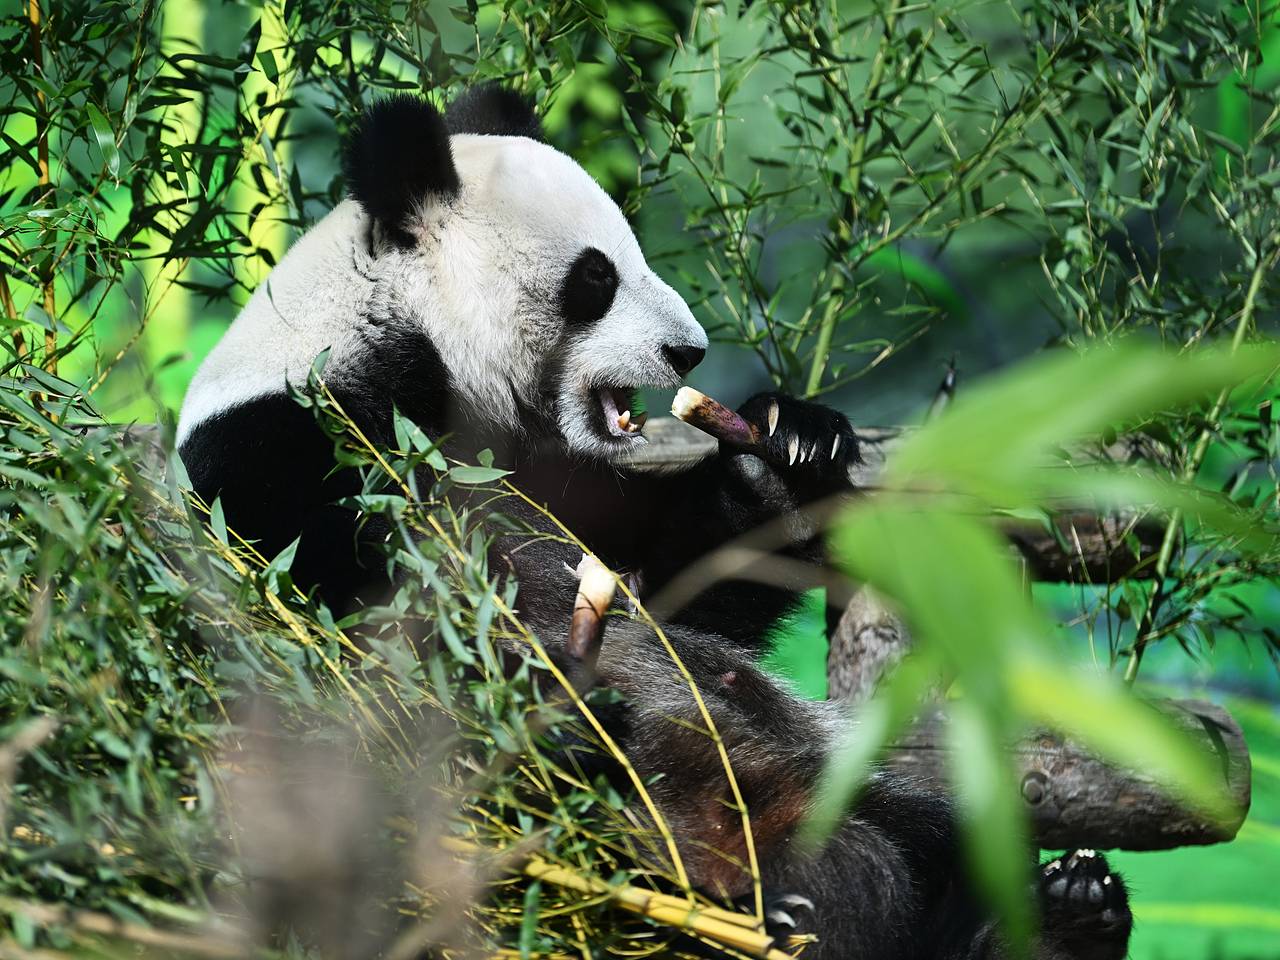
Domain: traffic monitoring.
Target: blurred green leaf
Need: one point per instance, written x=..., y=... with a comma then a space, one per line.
x=896, y=702
x=993, y=437
x=995, y=835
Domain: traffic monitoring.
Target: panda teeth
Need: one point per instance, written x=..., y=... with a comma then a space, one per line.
x=631, y=424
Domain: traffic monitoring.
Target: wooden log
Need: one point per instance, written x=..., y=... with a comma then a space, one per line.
x=1073, y=798
x=1087, y=547
x=1076, y=800
x=866, y=644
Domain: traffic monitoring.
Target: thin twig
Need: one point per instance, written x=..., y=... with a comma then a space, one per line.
x=857, y=154
x=1143, y=636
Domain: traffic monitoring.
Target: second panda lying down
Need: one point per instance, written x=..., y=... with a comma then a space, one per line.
x=485, y=285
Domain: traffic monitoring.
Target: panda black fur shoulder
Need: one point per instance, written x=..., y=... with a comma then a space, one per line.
x=484, y=284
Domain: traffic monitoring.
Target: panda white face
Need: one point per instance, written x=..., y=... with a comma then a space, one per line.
x=530, y=283
x=593, y=319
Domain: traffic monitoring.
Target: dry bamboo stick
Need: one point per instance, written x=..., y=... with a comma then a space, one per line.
x=733, y=930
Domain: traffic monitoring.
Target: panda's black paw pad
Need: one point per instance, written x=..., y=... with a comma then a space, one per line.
x=1078, y=890
x=803, y=436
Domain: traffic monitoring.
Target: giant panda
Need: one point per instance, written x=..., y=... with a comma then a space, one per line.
x=482, y=282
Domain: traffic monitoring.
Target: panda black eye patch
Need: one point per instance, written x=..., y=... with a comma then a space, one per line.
x=588, y=288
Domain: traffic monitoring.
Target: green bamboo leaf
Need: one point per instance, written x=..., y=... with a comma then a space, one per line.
x=106, y=138
x=476, y=475
x=948, y=573
x=529, y=919
x=218, y=521
x=449, y=633
x=988, y=442
x=996, y=838
x=1106, y=488
x=276, y=574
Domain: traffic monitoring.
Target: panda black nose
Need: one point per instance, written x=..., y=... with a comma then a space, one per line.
x=683, y=359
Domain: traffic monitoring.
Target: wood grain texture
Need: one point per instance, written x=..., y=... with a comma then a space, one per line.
x=1076, y=800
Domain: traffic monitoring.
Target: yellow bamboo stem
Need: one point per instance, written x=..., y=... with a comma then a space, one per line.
x=733, y=930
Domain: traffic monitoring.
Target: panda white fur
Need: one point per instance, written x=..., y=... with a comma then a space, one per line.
x=478, y=268
x=485, y=285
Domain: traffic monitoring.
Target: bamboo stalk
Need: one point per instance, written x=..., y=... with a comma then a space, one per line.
x=10, y=311
x=714, y=418
x=734, y=930
x=857, y=155
x=42, y=161
x=596, y=585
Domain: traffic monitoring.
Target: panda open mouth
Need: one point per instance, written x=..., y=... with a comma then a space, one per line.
x=615, y=406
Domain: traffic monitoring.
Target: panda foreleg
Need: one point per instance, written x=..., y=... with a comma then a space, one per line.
x=773, y=500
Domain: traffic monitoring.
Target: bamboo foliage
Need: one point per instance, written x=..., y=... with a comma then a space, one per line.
x=844, y=192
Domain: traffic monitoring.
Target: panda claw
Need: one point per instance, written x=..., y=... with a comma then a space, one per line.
x=773, y=417
x=784, y=914
x=780, y=918
x=793, y=450
x=795, y=900
x=835, y=446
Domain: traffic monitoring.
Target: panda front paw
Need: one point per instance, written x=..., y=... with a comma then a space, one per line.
x=804, y=437
x=1081, y=897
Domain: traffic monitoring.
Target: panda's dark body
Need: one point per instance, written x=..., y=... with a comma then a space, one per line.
x=889, y=883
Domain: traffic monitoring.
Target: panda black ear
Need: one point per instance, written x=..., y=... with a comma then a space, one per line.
x=397, y=156
x=494, y=110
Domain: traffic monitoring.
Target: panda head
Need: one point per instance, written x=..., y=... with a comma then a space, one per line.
x=518, y=266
